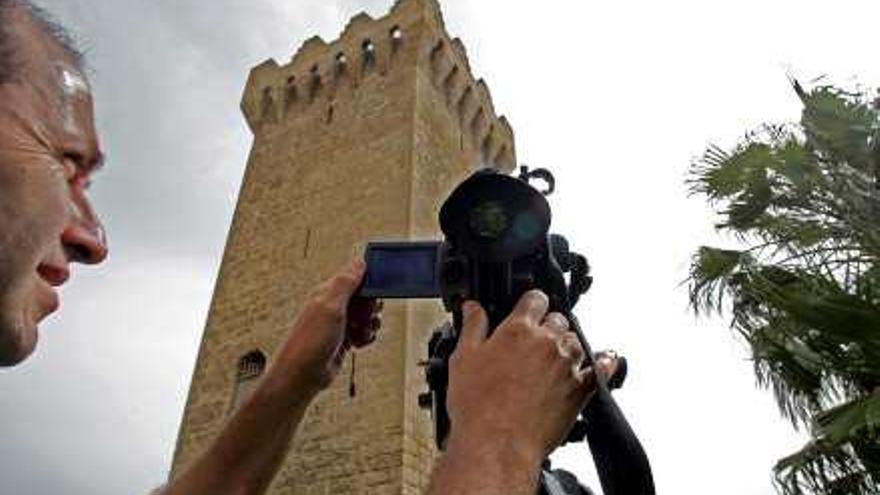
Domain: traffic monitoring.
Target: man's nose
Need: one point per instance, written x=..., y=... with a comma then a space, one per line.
x=84, y=238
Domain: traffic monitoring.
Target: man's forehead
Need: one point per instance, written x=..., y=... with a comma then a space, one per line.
x=56, y=95
x=73, y=82
x=41, y=50
x=65, y=69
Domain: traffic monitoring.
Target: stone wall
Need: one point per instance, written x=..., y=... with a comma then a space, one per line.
x=358, y=139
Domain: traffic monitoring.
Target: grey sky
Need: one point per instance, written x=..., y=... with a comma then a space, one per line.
x=615, y=97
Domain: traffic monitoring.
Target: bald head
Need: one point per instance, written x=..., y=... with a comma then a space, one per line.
x=12, y=60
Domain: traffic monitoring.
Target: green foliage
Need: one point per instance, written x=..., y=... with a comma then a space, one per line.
x=805, y=291
x=843, y=457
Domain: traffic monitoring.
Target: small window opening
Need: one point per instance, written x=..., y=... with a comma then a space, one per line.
x=396, y=36
x=250, y=368
x=437, y=50
x=368, y=50
x=341, y=63
x=486, y=147
x=477, y=123
x=463, y=101
x=315, y=84
x=449, y=82
x=330, y=114
x=251, y=365
x=291, y=94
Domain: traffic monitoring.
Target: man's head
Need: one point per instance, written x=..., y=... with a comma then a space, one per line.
x=48, y=151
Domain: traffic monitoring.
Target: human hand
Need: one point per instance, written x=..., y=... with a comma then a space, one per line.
x=521, y=388
x=611, y=368
x=330, y=322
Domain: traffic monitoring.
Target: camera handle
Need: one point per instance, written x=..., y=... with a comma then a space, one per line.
x=620, y=460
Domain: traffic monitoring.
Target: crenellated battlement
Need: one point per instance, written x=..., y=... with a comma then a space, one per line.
x=412, y=34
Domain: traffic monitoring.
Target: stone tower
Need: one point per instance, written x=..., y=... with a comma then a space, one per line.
x=358, y=139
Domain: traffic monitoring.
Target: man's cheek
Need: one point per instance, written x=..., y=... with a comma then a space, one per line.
x=50, y=210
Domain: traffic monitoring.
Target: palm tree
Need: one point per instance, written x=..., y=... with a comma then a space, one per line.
x=804, y=292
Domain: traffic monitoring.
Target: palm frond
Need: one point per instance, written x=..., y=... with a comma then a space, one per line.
x=804, y=292
x=842, y=457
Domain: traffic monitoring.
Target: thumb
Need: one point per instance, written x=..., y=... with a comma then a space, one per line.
x=475, y=327
x=347, y=280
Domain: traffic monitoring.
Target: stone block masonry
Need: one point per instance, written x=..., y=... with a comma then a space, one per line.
x=356, y=139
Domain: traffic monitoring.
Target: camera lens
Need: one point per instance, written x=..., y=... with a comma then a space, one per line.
x=526, y=226
x=488, y=220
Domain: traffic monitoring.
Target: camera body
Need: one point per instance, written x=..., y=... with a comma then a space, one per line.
x=496, y=248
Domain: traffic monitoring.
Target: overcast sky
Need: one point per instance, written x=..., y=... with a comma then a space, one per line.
x=616, y=98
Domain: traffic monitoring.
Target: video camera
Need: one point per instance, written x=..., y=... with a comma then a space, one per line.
x=497, y=246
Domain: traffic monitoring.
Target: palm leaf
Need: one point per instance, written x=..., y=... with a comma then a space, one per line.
x=804, y=292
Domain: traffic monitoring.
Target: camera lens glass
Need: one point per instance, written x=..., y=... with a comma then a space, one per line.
x=526, y=226
x=488, y=220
